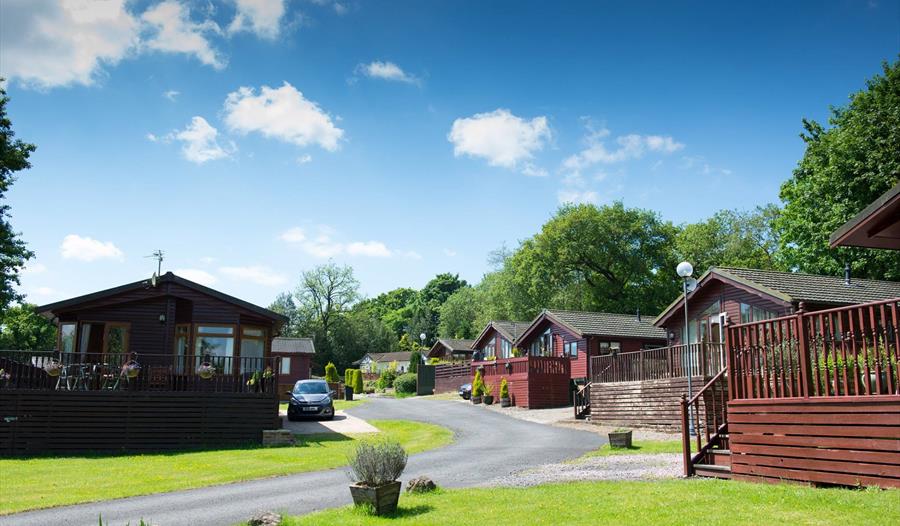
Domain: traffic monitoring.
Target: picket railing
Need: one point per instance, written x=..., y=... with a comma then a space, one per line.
x=676, y=361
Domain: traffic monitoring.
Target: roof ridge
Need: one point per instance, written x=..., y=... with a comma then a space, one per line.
x=599, y=312
x=798, y=273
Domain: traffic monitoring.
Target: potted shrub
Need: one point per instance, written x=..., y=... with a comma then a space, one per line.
x=620, y=438
x=375, y=467
x=206, y=370
x=131, y=369
x=5, y=377
x=477, y=388
x=53, y=368
x=488, y=396
x=504, y=393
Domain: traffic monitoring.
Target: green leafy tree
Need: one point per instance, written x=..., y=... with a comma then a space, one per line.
x=348, y=376
x=358, y=332
x=22, y=328
x=731, y=238
x=394, y=308
x=415, y=358
x=459, y=313
x=845, y=167
x=331, y=375
x=14, y=253
x=426, y=311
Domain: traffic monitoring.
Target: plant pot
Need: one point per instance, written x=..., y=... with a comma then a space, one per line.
x=476, y=399
x=133, y=373
x=620, y=439
x=383, y=499
x=206, y=375
x=505, y=402
x=488, y=399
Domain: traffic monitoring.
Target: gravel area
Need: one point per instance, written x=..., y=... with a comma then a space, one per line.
x=613, y=467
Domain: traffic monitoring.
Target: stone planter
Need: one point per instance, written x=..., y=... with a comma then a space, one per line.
x=476, y=399
x=505, y=402
x=620, y=439
x=488, y=399
x=382, y=498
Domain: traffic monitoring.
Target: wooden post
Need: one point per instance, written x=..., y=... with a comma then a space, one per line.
x=686, y=438
x=703, y=354
x=728, y=370
x=802, y=336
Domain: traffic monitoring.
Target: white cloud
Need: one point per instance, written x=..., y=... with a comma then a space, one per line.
x=45, y=43
x=386, y=71
x=577, y=196
x=305, y=158
x=449, y=253
x=200, y=142
x=412, y=254
x=34, y=268
x=259, y=275
x=173, y=31
x=631, y=146
x=152, y=137
x=293, y=235
x=323, y=247
x=171, y=94
x=262, y=17
x=375, y=249
x=500, y=137
x=200, y=276
x=281, y=113
x=89, y=249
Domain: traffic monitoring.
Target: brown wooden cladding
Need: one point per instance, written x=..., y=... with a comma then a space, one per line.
x=653, y=404
x=448, y=377
x=38, y=422
x=827, y=440
x=535, y=382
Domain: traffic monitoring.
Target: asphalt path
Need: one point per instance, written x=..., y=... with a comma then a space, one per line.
x=487, y=445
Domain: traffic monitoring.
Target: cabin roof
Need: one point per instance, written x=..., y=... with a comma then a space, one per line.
x=876, y=226
x=454, y=344
x=794, y=287
x=293, y=345
x=386, y=357
x=583, y=323
x=511, y=330
x=73, y=303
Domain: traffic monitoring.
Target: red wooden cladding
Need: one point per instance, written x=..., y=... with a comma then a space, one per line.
x=677, y=361
x=707, y=414
x=822, y=440
x=653, y=404
x=535, y=382
x=448, y=377
x=848, y=351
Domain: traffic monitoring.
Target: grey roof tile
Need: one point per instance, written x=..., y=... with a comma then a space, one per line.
x=812, y=288
x=293, y=345
x=609, y=324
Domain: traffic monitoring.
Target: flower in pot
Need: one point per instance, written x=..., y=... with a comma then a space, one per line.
x=620, y=438
x=488, y=396
x=53, y=368
x=5, y=377
x=477, y=388
x=504, y=393
x=375, y=467
x=206, y=370
x=131, y=369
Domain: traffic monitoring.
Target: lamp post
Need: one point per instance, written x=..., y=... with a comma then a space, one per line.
x=684, y=271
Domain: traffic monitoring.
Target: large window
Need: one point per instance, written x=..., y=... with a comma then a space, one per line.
x=610, y=347
x=570, y=349
x=489, y=349
x=67, y=333
x=253, y=346
x=286, y=365
x=753, y=313
x=216, y=342
x=505, y=348
x=115, y=339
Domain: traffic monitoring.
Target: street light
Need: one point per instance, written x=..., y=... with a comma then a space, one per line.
x=684, y=271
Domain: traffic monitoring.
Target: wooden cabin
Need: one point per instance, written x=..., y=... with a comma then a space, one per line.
x=452, y=350
x=876, y=226
x=498, y=338
x=295, y=355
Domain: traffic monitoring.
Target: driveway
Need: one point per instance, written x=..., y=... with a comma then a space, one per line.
x=488, y=445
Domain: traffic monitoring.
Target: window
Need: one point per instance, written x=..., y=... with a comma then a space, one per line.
x=489, y=349
x=182, y=346
x=610, y=347
x=506, y=348
x=253, y=347
x=753, y=313
x=115, y=339
x=217, y=342
x=67, y=337
x=570, y=349
x=286, y=365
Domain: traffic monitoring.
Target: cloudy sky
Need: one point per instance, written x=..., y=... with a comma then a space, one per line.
x=253, y=139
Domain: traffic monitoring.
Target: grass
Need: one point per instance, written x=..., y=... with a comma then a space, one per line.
x=644, y=447
x=339, y=405
x=41, y=482
x=623, y=503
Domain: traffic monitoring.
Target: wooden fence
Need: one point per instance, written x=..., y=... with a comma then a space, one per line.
x=448, y=377
x=535, y=382
x=677, y=361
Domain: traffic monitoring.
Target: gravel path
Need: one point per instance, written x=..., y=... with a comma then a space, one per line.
x=613, y=467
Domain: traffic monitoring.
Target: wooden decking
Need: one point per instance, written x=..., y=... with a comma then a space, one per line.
x=535, y=382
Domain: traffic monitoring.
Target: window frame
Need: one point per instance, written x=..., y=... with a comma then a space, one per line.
x=261, y=338
x=235, y=346
x=74, y=335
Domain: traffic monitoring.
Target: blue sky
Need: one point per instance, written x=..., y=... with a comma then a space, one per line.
x=254, y=139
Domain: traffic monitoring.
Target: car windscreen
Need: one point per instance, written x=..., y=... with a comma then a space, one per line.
x=311, y=388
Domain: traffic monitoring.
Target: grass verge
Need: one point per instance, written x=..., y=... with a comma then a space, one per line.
x=642, y=447
x=42, y=482
x=624, y=503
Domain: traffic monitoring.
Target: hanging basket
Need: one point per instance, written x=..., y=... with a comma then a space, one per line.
x=131, y=369
x=206, y=370
x=53, y=368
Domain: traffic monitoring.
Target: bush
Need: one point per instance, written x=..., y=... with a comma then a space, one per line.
x=504, y=388
x=370, y=386
x=377, y=462
x=331, y=375
x=405, y=383
x=477, y=385
x=387, y=378
x=357, y=381
x=415, y=358
x=348, y=377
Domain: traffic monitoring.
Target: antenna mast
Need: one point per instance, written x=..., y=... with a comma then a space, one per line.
x=158, y=255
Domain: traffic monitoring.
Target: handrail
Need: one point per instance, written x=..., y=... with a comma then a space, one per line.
x=582, y=400
x=675, y=361
x=706, y=416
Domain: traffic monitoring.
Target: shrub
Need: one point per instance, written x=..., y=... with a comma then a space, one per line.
x=516, y=352
x=377, y=462
x=477, y=385
x=504, y=388
x=358, y=381
x=415, y=358
x=487, y=389
x=370, y=386
x=348, y=377
x=331, y=375
x=405, y=383
x=387, y=377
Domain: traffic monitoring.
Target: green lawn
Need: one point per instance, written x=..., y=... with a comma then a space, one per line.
x=647, y=447
x=339, y=405
x=41, y=482
x=624, y=503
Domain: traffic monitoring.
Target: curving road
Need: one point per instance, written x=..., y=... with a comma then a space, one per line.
x=488, y=445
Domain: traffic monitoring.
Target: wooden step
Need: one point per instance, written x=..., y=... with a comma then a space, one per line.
x=719, y=457
x=712, y=470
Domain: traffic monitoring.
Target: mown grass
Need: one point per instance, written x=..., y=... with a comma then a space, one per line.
x=620, y=503
x=41, y=482
x=643, y=447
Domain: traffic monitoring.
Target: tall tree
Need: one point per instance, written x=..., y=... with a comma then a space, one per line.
x=844, y=168
x=324, y=293
x=22, y=328
x=731, y=238
x=14, y=253
x=426, y=311
x=459, y=312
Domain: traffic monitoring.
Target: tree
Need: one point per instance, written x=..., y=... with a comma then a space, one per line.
x=415, y=358
x=731, y=238
x=14, y=253
x=843, y=169
x=356, y=333
x=331, y=375
x=22, y=328
x=394, y=308
x=426, y=311
x=459, y=312
x=284, y=304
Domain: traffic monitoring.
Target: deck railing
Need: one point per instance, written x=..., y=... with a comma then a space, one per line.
x=676, y=361
x=847, y=351
x=155, y=372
